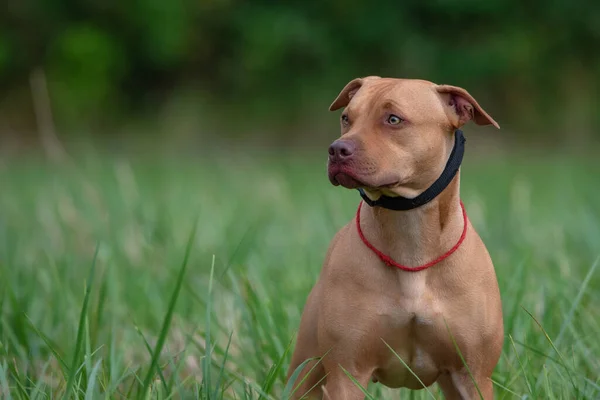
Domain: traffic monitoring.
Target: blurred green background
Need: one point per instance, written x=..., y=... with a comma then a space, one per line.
x=184, y=72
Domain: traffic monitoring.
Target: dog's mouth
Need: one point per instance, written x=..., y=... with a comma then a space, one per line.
x=346, y=180
x=339, y=176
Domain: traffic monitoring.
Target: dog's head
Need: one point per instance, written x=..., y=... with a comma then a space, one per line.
x=397, y=134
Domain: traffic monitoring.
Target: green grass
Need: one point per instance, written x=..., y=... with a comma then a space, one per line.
x=99, y=297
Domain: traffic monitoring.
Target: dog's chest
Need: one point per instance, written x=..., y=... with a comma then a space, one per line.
x=409, y=312
x=412, y=322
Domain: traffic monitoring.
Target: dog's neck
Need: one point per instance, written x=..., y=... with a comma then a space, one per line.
x=416, y=236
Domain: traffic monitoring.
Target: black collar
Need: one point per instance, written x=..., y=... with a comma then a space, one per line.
x=402, y=203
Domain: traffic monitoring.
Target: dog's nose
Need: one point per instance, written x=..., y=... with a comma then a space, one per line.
x=340, y=150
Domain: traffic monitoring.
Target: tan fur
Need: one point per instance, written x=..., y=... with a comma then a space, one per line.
x=358, y=302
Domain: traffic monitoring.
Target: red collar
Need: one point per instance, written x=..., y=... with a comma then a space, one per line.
x=388, y=260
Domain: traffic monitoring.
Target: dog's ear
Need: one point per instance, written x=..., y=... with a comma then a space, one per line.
x=348, y=91
x=465, y=107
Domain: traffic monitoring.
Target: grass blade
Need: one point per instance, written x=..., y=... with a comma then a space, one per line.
x=81, y=328
x=501, y=386
x=539, y=352
x=521, y=365
x=149, y=348
x=289, y=389
x=274, y=371
x=89, y=393
x=207, y=361
x=567, y=321
x=222, y=370
x=549, y=392
x=88, y=351
x=362, y=389
x=247, y=384
x=409, y=369
x=167, y=320
x=517, y=298
x=463, y=360
x=38, y=389
x=51, y=346
x=563, y=361
x=100, y=309
x=4, y=382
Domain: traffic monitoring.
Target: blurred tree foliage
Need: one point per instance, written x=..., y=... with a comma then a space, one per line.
x=535, y=61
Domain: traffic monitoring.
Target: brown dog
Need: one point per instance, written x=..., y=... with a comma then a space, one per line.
x=409, y=271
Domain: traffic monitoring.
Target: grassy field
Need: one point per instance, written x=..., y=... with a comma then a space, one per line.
x=101, y=296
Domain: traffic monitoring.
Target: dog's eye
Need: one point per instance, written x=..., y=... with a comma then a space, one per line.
x=394, y=120
x=345, y=119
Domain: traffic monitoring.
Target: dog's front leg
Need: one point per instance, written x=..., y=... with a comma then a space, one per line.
x=459, y=385
x=340, y=387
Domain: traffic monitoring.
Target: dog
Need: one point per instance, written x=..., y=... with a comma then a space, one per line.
x=407, y=295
